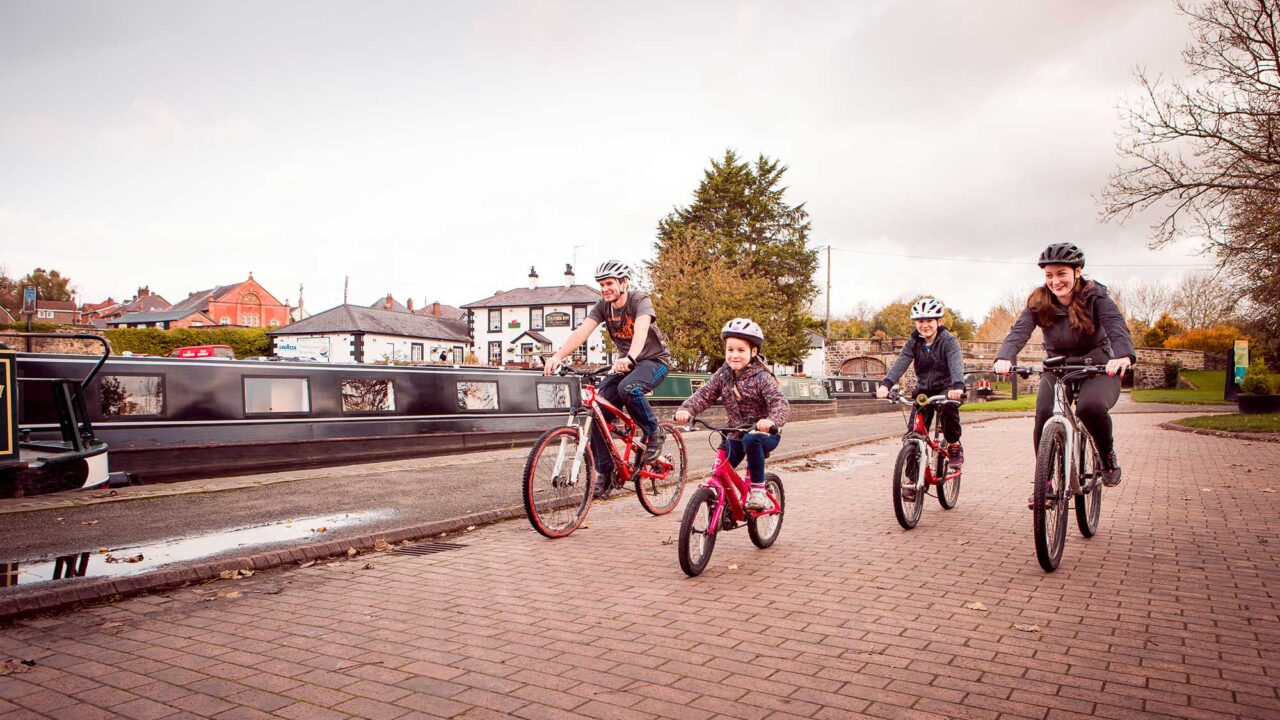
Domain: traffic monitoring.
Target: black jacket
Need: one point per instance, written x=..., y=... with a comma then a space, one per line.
x=940, y=366
x=1109, y=339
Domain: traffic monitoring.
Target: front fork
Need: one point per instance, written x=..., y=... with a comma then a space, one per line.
x=584, y=437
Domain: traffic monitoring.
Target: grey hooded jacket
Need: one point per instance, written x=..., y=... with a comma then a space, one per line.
x=1109, y=339
x=938, y=366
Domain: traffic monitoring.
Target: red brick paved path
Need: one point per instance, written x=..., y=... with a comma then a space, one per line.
x=1171, y=611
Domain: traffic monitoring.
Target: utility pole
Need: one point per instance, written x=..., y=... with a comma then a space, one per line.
x=827, y=332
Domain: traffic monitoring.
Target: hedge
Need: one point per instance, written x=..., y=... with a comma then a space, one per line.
x=246, y=342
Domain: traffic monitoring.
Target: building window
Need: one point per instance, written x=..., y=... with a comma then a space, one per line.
x=249, y=319
x=495, y=321
x=368, y=396
x=580, y=355
x=526, y=352
x=276, y=395
x=196, y=323
x=535, y=318
x=495, y=353
x=457, y=355
x=579, y=314
x=132, y=395
x=44, y=314
x=275, y=323
x=225, y=321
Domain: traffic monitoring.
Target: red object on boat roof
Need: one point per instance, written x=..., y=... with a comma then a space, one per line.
x=204, y=351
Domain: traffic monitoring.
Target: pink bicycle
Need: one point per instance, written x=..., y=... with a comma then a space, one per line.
x=717, y=505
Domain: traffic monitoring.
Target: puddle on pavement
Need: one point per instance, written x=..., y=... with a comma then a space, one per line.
x=844, y=462
x=136, y=559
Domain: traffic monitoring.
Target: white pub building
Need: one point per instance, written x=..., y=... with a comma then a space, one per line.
x=528, y=324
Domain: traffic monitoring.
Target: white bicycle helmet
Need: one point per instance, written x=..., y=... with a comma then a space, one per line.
x=613, y=269
x=744, y=329
x=926, y=308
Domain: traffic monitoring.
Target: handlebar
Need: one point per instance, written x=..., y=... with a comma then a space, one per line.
x=1061, y=366
x=896, y=396
x=744, y=428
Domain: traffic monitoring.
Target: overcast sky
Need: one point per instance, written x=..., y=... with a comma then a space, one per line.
x=438, y=149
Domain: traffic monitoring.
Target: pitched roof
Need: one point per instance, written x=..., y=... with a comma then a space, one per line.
x=199, y=300
x=448, y=312
x=381, y=304
x=59, y=305
x=154, y=317
x=90, y=307
x=355, y=318
x=550, y=295
x=146, y=303
x=533, y=335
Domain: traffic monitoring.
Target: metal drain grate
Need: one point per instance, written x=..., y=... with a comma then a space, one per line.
x=428, y=548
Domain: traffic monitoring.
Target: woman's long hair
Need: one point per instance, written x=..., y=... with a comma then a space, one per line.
x=1041, y=304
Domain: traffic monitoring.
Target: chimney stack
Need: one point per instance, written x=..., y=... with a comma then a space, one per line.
x=387, y=303
x=435, y=309
x=533, y=278
x=144, y=291
x=409, y=304
x=568, y=275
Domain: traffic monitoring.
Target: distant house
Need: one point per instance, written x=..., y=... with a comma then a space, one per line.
x=163, y=319
x=524, y=323
x=357, y=334
x=143, y=301
x=391, y=304
x=60, y=312
x=814, y=362
x=440, y=310
x=245, y=303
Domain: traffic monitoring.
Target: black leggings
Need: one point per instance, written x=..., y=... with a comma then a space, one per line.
x=948, y=415
x=1095, y=396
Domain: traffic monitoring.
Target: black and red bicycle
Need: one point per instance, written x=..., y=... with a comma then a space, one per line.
x=922, y=462
x=560, y=475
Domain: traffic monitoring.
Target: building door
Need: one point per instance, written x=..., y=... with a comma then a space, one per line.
x=862, y=367
x=415, y=353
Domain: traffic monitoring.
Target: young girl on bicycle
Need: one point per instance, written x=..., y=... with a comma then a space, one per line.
x=1078, y=319
x=750, y=394
x=939, y=366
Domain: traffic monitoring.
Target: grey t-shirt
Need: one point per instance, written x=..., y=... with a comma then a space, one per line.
x=621, y=325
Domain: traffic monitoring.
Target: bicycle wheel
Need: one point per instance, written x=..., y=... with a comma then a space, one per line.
x=660, y=495
x=948, y=490
x=697, y=537
x=1089, y=503
x=906, y=472
x=555, y=502
x=764, y=529
x=1049, y=506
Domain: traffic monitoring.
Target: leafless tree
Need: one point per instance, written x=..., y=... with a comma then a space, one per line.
x=1142, y=302
x=1203, y=300
x=1206, y=151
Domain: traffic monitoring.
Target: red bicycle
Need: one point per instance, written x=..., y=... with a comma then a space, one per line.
x=718, y=504
x=922, y=462
x=560, y=475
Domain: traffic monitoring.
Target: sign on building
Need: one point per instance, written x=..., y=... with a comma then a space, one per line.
x=556, y=319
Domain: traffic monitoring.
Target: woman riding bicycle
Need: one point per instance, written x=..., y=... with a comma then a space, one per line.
x=749, y=392
x=939, y=364
x=1078, y=319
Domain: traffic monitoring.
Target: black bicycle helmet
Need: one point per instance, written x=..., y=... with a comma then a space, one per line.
x=1062, y=254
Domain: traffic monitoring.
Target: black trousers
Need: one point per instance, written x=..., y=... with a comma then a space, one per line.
x=1095, y=397
x=948, y=414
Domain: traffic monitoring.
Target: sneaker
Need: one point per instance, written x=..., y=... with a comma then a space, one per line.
x=1110, y=469
x=955, y=455
x=908, y=493
x=604, y=483
x=757, y=500
x=653, y=446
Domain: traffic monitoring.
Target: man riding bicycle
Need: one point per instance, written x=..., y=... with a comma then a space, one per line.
x=643, y=359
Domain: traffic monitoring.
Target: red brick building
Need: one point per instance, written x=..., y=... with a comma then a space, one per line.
x=62, y=312
x=246, y=304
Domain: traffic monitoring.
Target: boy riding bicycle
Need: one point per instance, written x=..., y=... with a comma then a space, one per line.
x=939, y=366
x=643, y=359
x=749, y=391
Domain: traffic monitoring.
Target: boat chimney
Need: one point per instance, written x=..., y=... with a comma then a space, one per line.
x=568, y=275
x=533, y=278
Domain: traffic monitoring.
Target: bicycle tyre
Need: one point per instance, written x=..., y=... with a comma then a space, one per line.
x=908, y=463
x=703, y=500
x=1049, y=522
x=765, y=528
x=660, y=496
x=557, y=514
x=948, y=491
x=1089, y=505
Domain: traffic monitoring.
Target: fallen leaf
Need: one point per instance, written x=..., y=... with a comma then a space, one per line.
x=669, y=541
x=13, y=667
x=104, y=550
x=319, y=529
x=351, y=552
x=113, y=623
x=1268, y=490
x=308, y=563
x=229, y=594
x=382, y=546
x=59, y=519
x=470, y=528
x=88, y=522
x=235, y=574
x=733, y=567
x=977, y=606
x=367, y=566
x=130, y=559
x=962, y=542
x=1206, y=489
x=1026, y=627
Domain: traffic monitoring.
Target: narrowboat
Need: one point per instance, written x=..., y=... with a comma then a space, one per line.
x=174, y=418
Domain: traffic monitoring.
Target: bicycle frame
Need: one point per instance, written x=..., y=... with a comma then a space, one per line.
x=918, y=433
x=730, y=488
x=1064, y=415
x=593, y=406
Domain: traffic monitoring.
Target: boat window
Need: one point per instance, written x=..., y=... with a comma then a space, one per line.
x=132, y=395
x=368, y=396
x=553, y=396
x=276, y=395
x=477, y=395
x=839, y=386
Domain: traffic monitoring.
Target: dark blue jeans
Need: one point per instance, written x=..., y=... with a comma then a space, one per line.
x=628, y=391
x=755, y=446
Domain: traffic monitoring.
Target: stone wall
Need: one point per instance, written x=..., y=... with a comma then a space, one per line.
x=1148, y=373
x=62, y=346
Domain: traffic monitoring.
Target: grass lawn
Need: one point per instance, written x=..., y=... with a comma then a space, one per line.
x=1265, y=423
x=1025, y=402
x=1208, y=390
